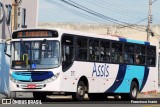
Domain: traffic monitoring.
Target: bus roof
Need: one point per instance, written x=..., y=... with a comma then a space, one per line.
x=94, y=35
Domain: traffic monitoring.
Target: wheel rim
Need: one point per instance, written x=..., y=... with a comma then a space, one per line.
x=134, y=92
x=80, y=91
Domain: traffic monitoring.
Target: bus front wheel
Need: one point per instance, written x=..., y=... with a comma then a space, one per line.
x=79, y=94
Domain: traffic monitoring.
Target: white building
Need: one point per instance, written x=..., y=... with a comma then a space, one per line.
x=14, y=14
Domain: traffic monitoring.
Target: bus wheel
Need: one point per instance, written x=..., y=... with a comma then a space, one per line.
x=97, y=96
x=133, y=90
x=39, y=96
x=79, y=95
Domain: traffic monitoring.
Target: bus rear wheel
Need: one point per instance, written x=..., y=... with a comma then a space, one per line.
x=39, y=96
x=133, y=92
x=79, y=94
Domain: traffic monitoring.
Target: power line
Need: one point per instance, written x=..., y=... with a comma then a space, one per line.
x=123, y=8
x=154, y=1
x=135, y=23
x=74, y=11
x=108, y=7
x=98, y=14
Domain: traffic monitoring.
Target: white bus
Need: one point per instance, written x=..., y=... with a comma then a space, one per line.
x=44, y=61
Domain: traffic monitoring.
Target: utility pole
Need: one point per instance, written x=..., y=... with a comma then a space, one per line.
x=14, y=15
x=149, y=20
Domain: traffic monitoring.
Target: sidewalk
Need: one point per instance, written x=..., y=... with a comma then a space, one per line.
x=151, y=95
x=2, y=96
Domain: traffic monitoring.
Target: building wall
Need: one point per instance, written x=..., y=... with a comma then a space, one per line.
x=6, y=32
x=31, y=7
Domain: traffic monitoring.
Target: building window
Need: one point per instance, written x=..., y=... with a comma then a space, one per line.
x=9, y=9
x=24, y=18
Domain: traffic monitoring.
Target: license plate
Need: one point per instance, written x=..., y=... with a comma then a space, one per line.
x=31, y=86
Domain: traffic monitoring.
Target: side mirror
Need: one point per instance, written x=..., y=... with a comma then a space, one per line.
x=5, y=48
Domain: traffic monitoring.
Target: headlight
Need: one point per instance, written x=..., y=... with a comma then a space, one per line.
x=12, y=79
x=53, y=78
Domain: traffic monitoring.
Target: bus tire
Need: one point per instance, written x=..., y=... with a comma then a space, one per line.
x=133, y=92
x=39, y=96
x=79, y=94
x=97, y=96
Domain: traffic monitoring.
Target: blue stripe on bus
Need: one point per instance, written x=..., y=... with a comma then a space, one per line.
x=120, y=76
x=146, y=73
x=133, y=41
x=122, y=40
x=126, y=74
x=34, y=76
x=147, y=43
x=20, y=77
x=132, y=72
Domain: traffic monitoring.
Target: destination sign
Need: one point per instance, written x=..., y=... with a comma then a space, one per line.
x=34, y=34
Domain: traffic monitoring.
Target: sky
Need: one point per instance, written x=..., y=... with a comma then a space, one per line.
x=98, y=11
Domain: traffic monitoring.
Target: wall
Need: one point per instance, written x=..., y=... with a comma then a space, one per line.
x=31, y=12
x=6, y=30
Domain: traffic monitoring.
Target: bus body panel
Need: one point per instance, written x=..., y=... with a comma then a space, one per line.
x=151, y=80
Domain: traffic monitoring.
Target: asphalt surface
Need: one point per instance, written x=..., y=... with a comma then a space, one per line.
x=144, y=100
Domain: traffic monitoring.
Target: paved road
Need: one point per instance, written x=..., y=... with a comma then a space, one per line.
x=67, y=101
x=82, y=105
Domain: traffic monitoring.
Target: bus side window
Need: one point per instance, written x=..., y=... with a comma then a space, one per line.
x=128, y=53
x=67, y=51
x=116, y=50
x=94, y=50
x=82, y=48
x=140, y=51
x=151, y=55
x=105, y=51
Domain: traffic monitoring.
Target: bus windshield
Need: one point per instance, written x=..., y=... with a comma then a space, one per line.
x=35, y=54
